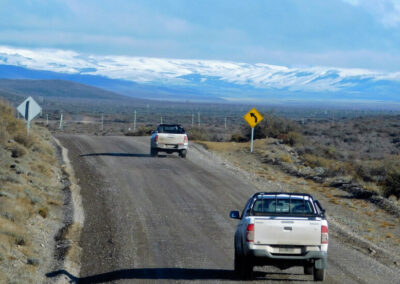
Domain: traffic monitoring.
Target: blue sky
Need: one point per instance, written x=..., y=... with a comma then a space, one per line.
x=337, y=33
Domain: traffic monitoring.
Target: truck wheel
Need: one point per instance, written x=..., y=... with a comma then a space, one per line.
x=183, y=153
x=308, y=269
x=237, y=265
x=247, y=268
x=153, y=152
x=319, y=274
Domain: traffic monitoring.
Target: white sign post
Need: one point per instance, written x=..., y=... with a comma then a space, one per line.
x=29, y=109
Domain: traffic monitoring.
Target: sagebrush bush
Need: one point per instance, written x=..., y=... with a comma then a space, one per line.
x=292, y=138
x=374, y=170
x=332, y=167
x=198, y=133
x=8, y=122
x=239, y=137
x=141, y=131
x=286, y=158
x=392, y=179
x=17, y=151
x=23, y=139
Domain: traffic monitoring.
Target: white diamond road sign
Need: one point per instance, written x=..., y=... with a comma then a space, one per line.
x=29, y=109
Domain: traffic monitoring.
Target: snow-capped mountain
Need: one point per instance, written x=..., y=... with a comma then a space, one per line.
x=199, y=79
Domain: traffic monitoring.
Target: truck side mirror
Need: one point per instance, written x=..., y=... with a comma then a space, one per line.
x=234, y=215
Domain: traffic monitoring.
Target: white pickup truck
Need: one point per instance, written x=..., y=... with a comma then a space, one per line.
x=282, y=230
x=169, y=138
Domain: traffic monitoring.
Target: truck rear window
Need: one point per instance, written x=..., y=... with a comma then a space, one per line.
x=277, y=205
x=175, y=129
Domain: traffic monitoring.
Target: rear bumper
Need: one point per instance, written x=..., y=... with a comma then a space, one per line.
x=263, y=257
x=169, y=148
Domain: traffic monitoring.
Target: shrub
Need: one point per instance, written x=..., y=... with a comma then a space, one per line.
x=332, y=167
x=24, y=139
x=392, y=183
x=374, y=170
x=286, y=158
x=293, y=138
x=17, y=151
x=239, y=137
x=197, y=133
x=141, y=131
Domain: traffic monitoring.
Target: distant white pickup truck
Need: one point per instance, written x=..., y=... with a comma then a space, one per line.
x=282, y=230
x=169, y=138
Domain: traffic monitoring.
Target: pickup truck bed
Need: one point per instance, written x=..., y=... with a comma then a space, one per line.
x=283, y=230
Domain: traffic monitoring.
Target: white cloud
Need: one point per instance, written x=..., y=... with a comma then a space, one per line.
x=387, y=11
x=153, y=70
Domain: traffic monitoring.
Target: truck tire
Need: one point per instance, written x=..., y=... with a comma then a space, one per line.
x=153, y=152
x=308, y=269
x=247, y=268
x=237, y=265
x=183, y=153
x=319, y=274
x=243, y=267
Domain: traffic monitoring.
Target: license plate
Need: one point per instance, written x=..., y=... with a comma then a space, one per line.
x=287, y=250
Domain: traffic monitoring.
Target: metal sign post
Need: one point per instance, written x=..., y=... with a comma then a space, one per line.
x=29, y=109
x=253, y=117
x=252, y=140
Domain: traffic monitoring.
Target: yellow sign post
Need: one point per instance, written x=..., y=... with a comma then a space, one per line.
x=253, y=117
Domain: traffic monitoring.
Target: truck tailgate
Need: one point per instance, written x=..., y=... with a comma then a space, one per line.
x=298, y=231
x=165, y=138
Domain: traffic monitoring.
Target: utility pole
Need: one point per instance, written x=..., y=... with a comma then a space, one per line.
x=134, y=121
x=47, y=119
x=225, y=122
x=198, y=119
x=61, y=121
x=102, y=121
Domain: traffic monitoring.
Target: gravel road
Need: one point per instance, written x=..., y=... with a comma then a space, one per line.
x=166, y=219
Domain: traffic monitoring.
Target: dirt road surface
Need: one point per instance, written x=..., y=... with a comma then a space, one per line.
x=165, y=219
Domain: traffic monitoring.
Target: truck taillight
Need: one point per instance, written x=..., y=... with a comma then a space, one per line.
x=324, y=234
x=250, y=233
x=185, y=139
x=156, y=138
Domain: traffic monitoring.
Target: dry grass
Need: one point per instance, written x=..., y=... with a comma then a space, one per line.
x=286, y=158
x=29, y=183
x=385, y=224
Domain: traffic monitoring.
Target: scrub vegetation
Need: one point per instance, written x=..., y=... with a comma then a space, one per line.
x=364, y=150
x=30, y=199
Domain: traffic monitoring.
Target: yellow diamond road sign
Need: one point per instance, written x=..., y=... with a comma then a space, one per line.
x=253, y=117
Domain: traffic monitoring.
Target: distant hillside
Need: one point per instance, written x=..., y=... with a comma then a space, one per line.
x=55, y=89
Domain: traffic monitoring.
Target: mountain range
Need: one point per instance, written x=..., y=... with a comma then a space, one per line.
x=201, y=80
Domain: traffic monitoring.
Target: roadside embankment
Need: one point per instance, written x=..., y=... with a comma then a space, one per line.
x=34, y=190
